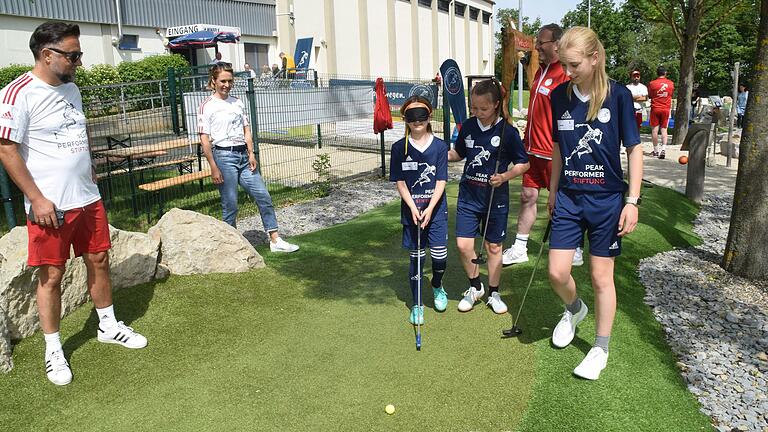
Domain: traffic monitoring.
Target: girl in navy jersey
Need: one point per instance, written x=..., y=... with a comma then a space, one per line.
x=419, y=165
x=592, y=118
x=483, y=140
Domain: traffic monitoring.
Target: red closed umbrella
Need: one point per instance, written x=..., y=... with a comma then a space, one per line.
x=382, y=117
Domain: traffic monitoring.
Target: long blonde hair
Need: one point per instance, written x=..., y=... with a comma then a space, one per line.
x=585, y=41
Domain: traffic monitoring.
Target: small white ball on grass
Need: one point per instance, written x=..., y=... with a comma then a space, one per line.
x=390, y=409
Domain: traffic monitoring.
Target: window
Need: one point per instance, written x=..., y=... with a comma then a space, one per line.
x=486, y=17
x=473, y=13
x=460, y=9
x=443, y=5
x=425, y=3
x=129, y=42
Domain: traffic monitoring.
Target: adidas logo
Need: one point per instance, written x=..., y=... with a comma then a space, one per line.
x=408, y=159
x=614, y=246
x=566, y=115
x=7, y=116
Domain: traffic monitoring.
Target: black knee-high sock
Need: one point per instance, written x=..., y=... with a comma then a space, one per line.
x=439, y=263
x=414, y=272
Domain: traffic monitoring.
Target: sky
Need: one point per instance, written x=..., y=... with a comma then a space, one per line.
x=550, y=11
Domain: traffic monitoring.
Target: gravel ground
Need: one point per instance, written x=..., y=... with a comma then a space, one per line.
x=716, y=323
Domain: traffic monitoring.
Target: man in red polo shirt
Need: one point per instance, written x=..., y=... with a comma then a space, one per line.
x=538, y=141
x=660, y=91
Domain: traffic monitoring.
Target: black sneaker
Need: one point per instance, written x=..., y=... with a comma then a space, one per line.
x=662, y=155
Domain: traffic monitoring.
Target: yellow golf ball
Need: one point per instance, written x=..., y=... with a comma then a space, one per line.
x=390, y=409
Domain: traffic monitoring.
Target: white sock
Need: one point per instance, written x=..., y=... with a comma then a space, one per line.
x=521, y=241
x=107, y=316
x=664, y=147
x=52, y=342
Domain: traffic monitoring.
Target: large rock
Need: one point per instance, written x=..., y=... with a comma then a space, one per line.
x=192, y=243
x=133, y=261
x=6, y=360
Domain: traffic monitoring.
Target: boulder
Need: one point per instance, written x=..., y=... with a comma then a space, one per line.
x=192, y=243
x=6, y=359
x=133, y=261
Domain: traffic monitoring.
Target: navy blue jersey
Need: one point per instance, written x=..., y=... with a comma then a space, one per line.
x=482, y=148
x=591, y=151
x=420, y=172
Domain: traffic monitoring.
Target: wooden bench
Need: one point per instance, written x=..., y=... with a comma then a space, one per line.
x=180, y=162
x=156, y=188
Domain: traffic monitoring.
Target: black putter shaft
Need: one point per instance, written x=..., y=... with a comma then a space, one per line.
x=418, y=292
x=515, y=330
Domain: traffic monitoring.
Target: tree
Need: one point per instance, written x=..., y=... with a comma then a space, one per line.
x=690, y=21
x=746, y=252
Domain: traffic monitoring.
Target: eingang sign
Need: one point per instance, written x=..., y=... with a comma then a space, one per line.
x=191, y=28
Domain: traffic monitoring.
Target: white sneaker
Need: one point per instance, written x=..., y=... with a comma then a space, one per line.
x=495, y=302
x=282, y=246
x=123, y=335
x=57, y=369
x=565, y=330
x=593, y=364
x=470, y=297
x=578, y=257
x=514, y=255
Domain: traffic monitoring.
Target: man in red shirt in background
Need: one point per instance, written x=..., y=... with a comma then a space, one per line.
x=660, y=91
x=538, y=141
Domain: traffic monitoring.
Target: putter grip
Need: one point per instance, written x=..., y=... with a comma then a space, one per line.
x=547, y=231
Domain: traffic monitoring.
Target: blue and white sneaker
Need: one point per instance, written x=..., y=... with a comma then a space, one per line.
x=441, y=299
x=417, y=315
x=121, y=334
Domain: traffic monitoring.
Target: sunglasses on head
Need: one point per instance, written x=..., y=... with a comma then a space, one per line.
x=72, y=56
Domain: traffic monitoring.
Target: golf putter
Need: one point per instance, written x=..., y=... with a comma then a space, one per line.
x=418, y=284
x=515, y=330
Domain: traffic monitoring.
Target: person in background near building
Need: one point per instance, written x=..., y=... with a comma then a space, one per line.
x=44, y=147
x=660, y=91
x=251, y=72
x=266, y=72
x=419, y=166
x=741, y=104
x=226, y=139
x=538, y=141
x=489, y=144
x=217, y=58
x=289, y=66
x=639, y=95
x=275, y=70
x=594, y=117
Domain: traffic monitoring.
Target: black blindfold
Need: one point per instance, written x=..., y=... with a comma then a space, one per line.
x=416, y=114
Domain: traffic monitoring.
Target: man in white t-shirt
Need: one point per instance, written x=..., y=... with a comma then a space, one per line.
x=639, y=95
x=44, y=147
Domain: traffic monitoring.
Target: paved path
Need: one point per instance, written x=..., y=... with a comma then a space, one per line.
x=719, y=179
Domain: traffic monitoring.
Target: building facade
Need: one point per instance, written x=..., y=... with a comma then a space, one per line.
x=390, y=38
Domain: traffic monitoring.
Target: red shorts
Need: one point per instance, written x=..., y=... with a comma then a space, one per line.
x=85, y=229
x=659, y=118
x=639, y=118
x=538, y=174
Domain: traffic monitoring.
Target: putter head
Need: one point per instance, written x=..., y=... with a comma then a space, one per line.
x=512, y=332
x=479, y=260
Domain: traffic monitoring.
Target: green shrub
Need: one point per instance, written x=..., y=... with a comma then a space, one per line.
x=10, y=73
x=150, y=68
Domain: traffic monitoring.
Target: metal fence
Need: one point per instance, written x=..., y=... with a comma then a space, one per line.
x=148, y=159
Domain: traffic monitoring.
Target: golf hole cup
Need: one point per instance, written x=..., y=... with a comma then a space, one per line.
x=390, y=409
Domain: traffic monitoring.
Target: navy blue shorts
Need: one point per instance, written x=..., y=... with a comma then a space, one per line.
x=434, y=235
x=469, y=224
x=596, y=213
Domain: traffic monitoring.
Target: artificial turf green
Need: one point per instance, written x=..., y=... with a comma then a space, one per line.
x=319, y=341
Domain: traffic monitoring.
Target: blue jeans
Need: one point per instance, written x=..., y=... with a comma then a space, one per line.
x=235, y=170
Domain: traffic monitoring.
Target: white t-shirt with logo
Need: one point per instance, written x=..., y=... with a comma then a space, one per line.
x=223, y=121
x=49, y=125
x=638, y=89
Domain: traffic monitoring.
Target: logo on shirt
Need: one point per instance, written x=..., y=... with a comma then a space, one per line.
x=495, y=141
x=548, y=82
x=408, y=158
x=662, y=90
x=604, y=115
x=595, y=135
x=424, y=176
x=484, y=155
x=69, y=118
x=7, y=116
x=566, y=115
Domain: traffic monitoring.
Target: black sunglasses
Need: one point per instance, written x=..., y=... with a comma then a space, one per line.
x=72, y=56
